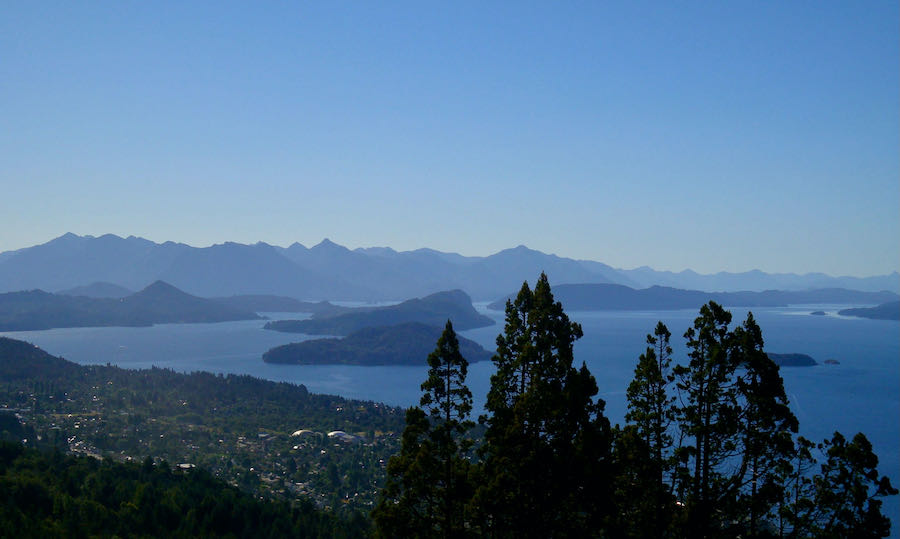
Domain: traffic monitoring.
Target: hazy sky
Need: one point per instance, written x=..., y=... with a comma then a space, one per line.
x=709, y=135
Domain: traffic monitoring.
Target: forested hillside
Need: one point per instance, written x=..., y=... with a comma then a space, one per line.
x=242, y=429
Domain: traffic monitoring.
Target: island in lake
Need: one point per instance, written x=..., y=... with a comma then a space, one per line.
x=402, y=344
x=433, y=310
x=159, y=303
x=792, y=360
x=885, y=311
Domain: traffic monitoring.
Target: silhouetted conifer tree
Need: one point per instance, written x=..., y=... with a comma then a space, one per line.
x=546, y=446
x=767, y=427
x=644, y=447
x=428, y=486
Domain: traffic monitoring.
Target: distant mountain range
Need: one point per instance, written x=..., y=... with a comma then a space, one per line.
x=329, y=271
x=159, y=303
x=614, y=297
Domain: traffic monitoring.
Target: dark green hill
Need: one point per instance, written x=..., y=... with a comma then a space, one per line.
x=159, y=303
x=885, y=311
x=433, y=310
x=403, y=344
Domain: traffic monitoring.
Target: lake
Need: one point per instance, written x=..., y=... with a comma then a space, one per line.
x=862, y=393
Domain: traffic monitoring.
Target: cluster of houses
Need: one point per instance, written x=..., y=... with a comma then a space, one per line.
x=337, y=435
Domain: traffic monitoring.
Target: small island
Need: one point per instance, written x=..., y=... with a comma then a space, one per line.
x=831, y=361
x=792, y=360
x=818, y=313
x=403, y=344
x=433, y=310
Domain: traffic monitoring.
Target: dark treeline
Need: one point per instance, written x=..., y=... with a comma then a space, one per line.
x=709, y=447
x=48, y=494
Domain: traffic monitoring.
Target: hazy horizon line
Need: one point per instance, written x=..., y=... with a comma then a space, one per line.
x=327, y=239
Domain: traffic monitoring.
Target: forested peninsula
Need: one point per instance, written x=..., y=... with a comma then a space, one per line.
x=885, y=311
x=433, y=310
x=403, y=344
x=158, y=303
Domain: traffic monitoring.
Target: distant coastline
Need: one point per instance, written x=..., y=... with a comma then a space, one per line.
x=885, y=311
x=614, y=297
x=159, y=303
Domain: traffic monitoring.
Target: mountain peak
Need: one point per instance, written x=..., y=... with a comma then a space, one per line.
x=328, y=245
x=158, y=288
x=68, y=237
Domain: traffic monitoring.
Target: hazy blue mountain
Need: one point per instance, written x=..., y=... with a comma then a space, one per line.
x=508, y=269
x=234, y=268
x=402, y=344
x=98, y=290
x=757, y=280
x=333, y=272
x=595, y=297
x=433, y=310
x=69, y=261
x=158, y=303
x=386, y=275
x=885, y=311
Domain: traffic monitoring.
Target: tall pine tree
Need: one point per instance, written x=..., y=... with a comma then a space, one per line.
x=708, y=419
x=767, y=427
x=546, y=445
x=644, y=447
x=428, y=486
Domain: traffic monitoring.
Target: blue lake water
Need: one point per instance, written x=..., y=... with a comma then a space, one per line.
x=862, y=393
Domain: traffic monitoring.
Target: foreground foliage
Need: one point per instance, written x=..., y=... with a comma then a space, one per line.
x=709, y=447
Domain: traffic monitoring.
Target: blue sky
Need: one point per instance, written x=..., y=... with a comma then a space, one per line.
x=704, y=135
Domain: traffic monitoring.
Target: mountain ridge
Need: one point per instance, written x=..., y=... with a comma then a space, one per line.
x=329, y=271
